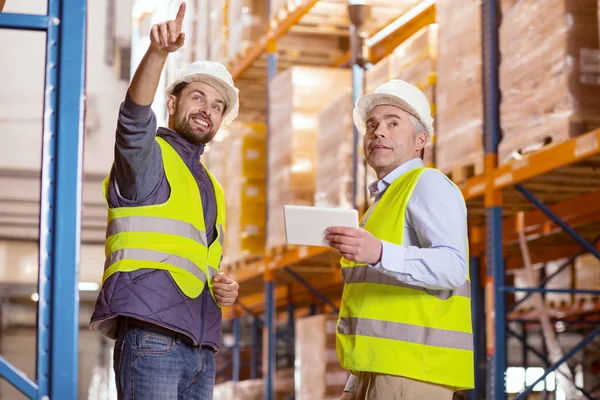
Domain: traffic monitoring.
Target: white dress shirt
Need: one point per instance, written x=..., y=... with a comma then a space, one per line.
x=434, y=252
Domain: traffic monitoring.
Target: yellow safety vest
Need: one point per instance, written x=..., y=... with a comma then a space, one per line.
x=388, y=327
x=169, y=236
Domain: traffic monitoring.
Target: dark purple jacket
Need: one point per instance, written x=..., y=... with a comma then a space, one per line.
x=137, y=179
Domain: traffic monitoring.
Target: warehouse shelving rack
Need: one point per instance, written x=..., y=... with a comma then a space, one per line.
x=557, y=188
x=60, y=223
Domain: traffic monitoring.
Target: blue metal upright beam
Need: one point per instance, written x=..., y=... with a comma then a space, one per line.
x=60, y=208
x=235, y=357
x=358, y=75
x=254, y=356
x=270, y=313
x=490, y=13
x=478, y=316
x=60, y=225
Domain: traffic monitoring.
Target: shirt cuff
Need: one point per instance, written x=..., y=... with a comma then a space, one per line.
x=351, y=384
x=392, y=257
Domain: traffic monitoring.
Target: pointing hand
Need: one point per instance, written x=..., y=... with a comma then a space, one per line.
x=167, y=36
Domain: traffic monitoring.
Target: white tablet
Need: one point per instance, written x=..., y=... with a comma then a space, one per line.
x=306, y=225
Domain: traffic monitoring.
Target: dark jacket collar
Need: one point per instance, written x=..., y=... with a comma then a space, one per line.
x=189, y=152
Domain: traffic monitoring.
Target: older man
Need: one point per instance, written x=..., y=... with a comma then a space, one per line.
x=161, y=294
x=404, y=328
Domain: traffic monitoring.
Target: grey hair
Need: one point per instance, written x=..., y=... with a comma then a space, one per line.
x=418, y=126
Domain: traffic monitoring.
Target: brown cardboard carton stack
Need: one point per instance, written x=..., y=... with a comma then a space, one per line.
x=238, y=161
x=415, y=61
x=297, y=95
x=334, y=155
x=216, y=31
x=379, y=73
x=459, y=108
x=319, y=375
x=254, y=389
x=550, y=73
x=246, y=22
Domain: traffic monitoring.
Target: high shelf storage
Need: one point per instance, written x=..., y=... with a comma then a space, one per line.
x=60, y=217
x=547, y=194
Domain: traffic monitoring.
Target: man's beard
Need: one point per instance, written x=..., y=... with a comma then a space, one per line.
x=190, y=133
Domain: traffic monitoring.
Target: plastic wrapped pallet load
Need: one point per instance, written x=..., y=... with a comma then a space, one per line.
x=549, y=74
x=246, y=22
x=297, y=95
x=237, y=160
x=319, y=375
x=415, y=61
x=335, y=170
x=459, y=108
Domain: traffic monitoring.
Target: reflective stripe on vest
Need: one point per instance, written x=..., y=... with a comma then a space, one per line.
x=366, y=274
x=157, y=225
x=170, y=236
x=389, y=327
x=406, y=333
x=157, y=256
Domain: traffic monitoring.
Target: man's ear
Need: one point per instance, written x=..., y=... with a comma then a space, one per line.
x=171, y=104
x=421, y=141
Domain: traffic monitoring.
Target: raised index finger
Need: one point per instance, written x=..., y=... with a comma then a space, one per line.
x=180, y=15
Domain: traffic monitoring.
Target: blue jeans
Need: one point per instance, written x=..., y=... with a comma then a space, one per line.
x=153, y=365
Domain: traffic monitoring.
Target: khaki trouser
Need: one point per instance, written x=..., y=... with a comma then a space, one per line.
x=371, y=386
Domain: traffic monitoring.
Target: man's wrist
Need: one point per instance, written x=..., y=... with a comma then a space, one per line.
x=156, y=51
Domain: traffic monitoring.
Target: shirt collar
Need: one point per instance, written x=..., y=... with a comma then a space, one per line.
x=377, y=188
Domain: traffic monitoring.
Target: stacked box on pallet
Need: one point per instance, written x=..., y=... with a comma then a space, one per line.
x=254, y=389
x=238, y=162
x=550, y=73
x=246, y=21
x=279, y=9
x=319, y=375
x=379, y=73
x=335, y=171
x=459, y=108
x=246, y=194
x=586, y=276
x=415, y=61
x=217, y=51
x=297, y=95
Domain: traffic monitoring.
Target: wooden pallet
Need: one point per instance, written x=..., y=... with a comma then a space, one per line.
x=461, y=174
x=278, y=251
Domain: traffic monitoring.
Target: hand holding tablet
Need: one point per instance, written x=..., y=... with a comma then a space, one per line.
x=305, y=225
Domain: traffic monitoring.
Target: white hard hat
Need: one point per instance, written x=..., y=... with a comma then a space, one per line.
x=216, y=75
x=395, y=93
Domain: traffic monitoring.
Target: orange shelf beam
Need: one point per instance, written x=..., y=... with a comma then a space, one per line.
x=277, y=262
x=536, y=164
x=281, y=28
x=387, y=39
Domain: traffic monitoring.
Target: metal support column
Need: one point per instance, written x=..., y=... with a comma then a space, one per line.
x=254, y=356
x=269, y=276
x=478, y=313
x=60, y=209
x=359, y=13
x=236, y=359
x=496, y=346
